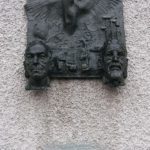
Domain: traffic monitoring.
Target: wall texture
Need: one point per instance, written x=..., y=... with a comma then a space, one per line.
x=74, y=111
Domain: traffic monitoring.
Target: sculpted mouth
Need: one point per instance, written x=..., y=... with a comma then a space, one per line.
x=115, y=67
x=36, y=70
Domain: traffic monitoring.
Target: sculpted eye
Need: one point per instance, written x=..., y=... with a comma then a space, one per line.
x=121, y=54
x=109, y=54
x=29, y=56
x=42, y=55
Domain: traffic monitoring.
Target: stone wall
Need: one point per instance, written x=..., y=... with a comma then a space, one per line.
x=74, y=111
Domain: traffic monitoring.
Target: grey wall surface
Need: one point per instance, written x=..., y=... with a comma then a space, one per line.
x=74, y=111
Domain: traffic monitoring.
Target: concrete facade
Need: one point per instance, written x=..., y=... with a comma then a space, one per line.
x=74, y=111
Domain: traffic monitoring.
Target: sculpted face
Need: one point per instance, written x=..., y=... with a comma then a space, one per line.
x=36, y=61
x=115, y=61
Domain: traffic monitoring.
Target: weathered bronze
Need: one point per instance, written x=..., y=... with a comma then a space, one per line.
x=114, y=55
x=85, y=39
x=114, y=63
x=72, y=10
x=37, y=62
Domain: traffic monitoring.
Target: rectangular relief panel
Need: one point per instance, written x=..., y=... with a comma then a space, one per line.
x=76, y=39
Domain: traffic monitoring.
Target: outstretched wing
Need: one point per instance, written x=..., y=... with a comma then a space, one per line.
x=40, y=8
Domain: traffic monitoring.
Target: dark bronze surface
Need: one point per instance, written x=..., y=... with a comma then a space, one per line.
x=85, y=39
x=37, y=64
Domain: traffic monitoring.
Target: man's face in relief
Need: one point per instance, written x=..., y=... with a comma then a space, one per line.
x=115, y=61
x=36, y=61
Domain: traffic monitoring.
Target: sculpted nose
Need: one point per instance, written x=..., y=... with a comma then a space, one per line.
x=35, y=60
x=115, y=56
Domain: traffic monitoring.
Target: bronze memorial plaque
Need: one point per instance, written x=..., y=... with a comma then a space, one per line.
x=75, y=39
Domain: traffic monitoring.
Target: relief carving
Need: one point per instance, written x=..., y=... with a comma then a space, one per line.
x=37, y=63
x=85, y=39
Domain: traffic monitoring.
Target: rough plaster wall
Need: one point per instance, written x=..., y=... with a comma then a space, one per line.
x=75, y=111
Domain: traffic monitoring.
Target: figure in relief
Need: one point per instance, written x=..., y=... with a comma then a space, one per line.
x=114, y=55
x=115, y=63
x=37, y=62
x=75, y=39
x=70, y=10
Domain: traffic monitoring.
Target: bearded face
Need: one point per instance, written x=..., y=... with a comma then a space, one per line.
x=115, y=62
